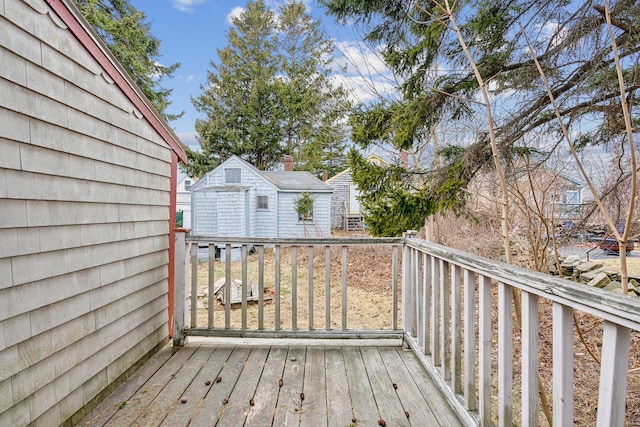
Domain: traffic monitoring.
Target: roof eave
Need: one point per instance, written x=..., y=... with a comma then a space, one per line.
x=86, y=35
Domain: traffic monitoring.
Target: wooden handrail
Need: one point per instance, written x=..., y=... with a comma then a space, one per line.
x=433, y=283
x=309, y=247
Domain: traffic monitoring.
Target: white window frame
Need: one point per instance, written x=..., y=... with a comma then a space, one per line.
x=231, y=173
x=259, y=199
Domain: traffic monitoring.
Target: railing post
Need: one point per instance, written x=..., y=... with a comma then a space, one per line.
x=407, y=298
x=562, y=365
x=179, y=285
x=613, y=375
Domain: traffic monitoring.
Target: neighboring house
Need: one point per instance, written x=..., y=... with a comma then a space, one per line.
x=346, y=212
x=87, y=214
x=183, y=198
x=566, y=199
x=236, y=199
x=573, y=198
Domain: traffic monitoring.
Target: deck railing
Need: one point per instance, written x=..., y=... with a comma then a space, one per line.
x=457, y=314
x=447, y=318
x=309, y=293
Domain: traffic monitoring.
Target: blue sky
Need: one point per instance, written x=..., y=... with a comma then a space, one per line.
x=190, y=31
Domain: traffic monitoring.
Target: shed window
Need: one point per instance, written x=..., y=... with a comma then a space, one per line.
x=232, y=176
x=187, y=184
x=263, y=203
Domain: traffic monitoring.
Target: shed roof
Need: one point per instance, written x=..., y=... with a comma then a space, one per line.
x=296, y=181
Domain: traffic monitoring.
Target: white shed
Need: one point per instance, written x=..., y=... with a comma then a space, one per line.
x=238, y=200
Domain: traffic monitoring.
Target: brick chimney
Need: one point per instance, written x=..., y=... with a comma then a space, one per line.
x=325, y=175
x=288, y=163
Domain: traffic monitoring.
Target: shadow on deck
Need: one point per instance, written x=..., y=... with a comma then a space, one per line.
x=274, y=382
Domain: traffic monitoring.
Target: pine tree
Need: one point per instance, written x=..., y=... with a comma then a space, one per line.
x=571, y=42
x=239, y=99
x=312, y=106
x=271, y=95
x=128, y=36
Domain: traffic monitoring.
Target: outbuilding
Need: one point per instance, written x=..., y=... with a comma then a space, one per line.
x=237, y=200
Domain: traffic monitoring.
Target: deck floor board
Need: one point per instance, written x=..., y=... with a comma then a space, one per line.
x=342, y=386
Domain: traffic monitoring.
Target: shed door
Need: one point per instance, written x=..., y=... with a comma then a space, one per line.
x=231, y=213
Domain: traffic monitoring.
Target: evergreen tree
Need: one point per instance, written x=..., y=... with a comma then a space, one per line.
x=572, y=44
x=271, y=94
x=312, y=107
x=128, y=36
x=239, y=99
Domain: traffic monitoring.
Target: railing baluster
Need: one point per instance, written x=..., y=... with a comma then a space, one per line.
x=344, y=288
x=505, y=355
x=456, y=332
x=529, y=360
x=211, y=282
x=426, y=302
x=194, y=285
x=294, y=288
x=311, y=288
x=261, y=287
x=562, y=365
x=612, y=396
x=227, y=286
x=244, y=287
x=327, y=284
x=394, y=287
x=484, y=350
x=277, y=290
x=418, y=292
x=469, y=341
x=435, y=311
x=415, y=296
x=407, y=287
x=445, y=319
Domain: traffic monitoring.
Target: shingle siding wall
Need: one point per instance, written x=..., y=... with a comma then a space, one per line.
x=290, y=226
x=339, y=199
x=228, y=216
x=203, y=213
x=84, y=223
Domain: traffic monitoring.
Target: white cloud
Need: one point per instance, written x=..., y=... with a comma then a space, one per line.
x=235, y=13
x=365, y=74
x=189, y=78
x=190, y=139
x=187, y=5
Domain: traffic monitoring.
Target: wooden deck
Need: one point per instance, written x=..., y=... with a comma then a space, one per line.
x=235, y=384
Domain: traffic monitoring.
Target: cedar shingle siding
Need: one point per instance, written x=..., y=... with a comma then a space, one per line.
x=84, y=222
x=231, y=209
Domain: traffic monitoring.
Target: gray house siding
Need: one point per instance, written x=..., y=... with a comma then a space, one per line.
x=339, y=199
x=235, y=212
x=265, y=220
x=84, y=222
x=204, y=220
x=290, y=226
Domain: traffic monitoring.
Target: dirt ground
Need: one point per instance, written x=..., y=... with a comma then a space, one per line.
x=369, y=306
